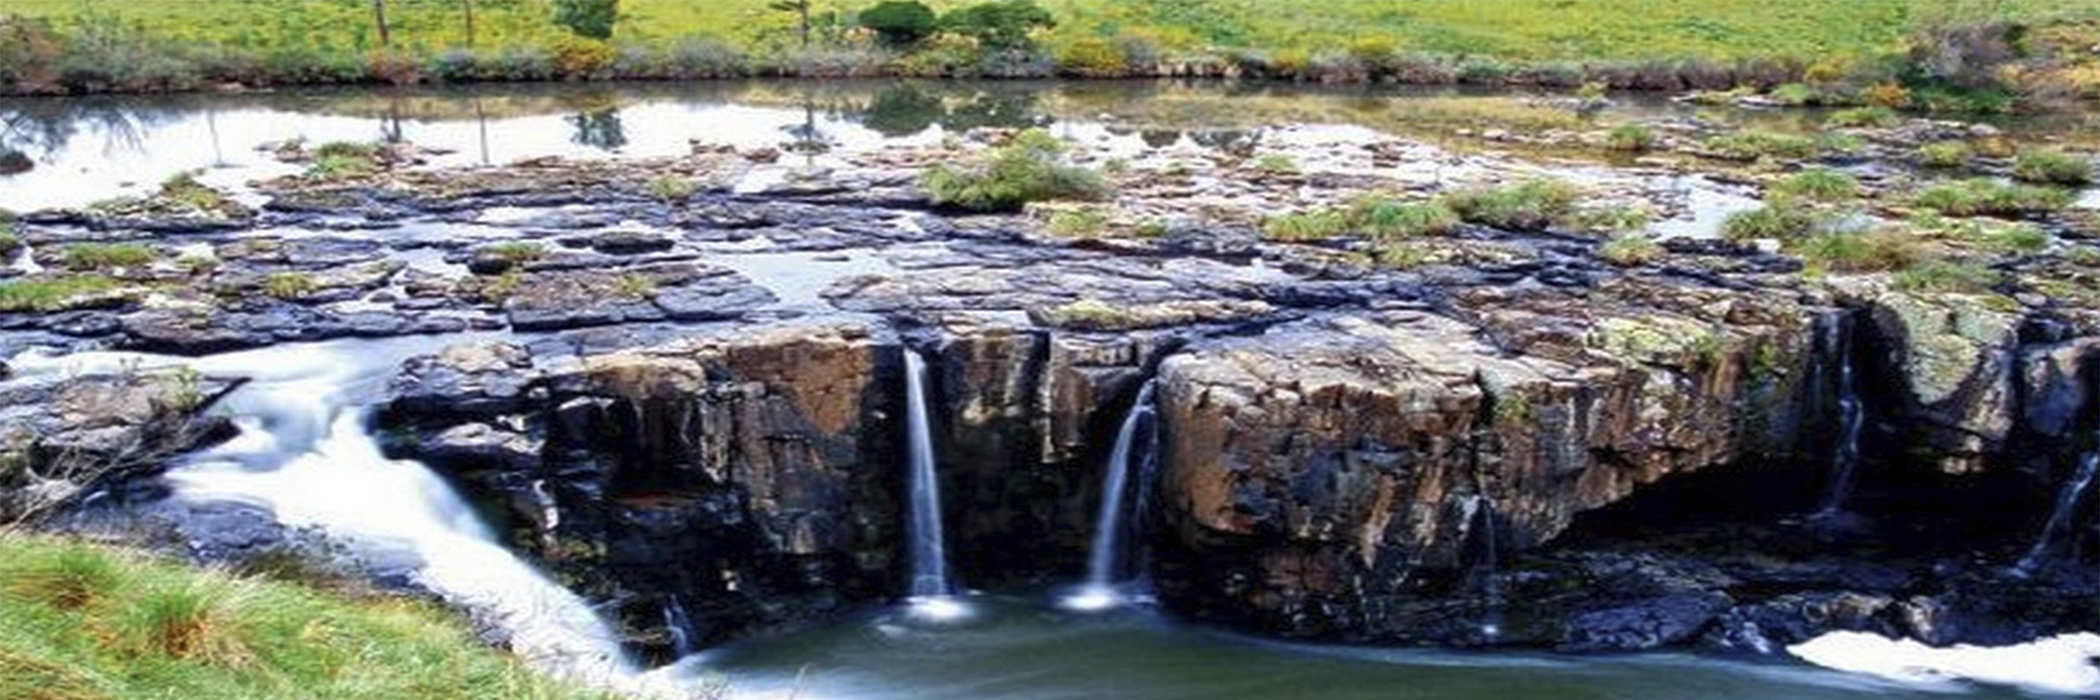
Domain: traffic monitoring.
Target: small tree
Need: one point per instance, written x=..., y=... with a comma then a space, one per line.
x=1003, y=25
x=593, y=19
x=801, y=10
x=901, y=23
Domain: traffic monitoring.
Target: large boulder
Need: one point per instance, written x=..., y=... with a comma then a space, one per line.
x=62, y=436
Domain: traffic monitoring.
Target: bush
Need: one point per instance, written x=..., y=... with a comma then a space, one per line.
x=1000, y=26
x=1863, y=117
x=1630, y=250
x=1947, y=277
x=1984, y=197
x=1817, y=184
x=1532, y=205
x=1386, y=219
x=1889, y=95
x=706, y=57
x=1770, y=221
x=1754, y=145
x=1946, y=154
x=1842, y=251
x=1630, y=138
x=590, y=19
x=582, y=58
x=1092, y=57
x=900, y=24
x=91, y=257
x=1032, y=168
x=1318, y=225
x=2052, y=167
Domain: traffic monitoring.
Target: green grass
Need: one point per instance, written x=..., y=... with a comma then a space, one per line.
x=183, y=188
x=1946, y=154
x=81, y=622
x=1780, y=222
x=1853, y=252
x=1386, y=218
x=1863, y=117
x=1317, y=225
x=1630, y=138
x=2052, y=167
x=1752, y=145
x=1985, y=197
x=672, y=189
x=289, y=285
x=1817, y=184
x=51, y=293
x=1631, y=250
x=1944, y=276
x=1078, y=222
x=92, y=257
x=1032, y=168
x=1531, y=205
x=515, y=252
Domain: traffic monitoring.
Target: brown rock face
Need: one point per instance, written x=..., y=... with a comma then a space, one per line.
x=59, y=436
x=1320, y=473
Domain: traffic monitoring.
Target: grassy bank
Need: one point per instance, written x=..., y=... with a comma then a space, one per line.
x=145, y=45
x=81, y=622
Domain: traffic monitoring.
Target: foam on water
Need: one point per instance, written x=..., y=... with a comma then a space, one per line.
x=2058, y=665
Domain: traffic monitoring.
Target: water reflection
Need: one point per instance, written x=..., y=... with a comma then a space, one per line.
x=599, y=129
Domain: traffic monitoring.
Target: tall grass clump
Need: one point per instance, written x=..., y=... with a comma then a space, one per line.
x=1032, y=168
x=83, y=622
x=1817, y=184
x=1985, y=197
x=1531, y=205
x=2052, y=167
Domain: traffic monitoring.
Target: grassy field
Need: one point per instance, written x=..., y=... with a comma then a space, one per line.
x=1512, y=29
x=80, y=622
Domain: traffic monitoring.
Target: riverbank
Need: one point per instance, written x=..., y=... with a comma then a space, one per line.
x=1883, y=52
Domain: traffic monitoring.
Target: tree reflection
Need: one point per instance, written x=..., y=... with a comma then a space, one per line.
x=33, y=130
x=907, y=110
x=599, y=128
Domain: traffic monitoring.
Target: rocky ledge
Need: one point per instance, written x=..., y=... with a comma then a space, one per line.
x=1500, y=428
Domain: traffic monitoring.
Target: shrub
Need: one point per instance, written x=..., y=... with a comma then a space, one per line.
x=1796, y=95
x=582, y=58
x=900, y=24
x=1770, y=221
x=2052, y=167
x=1630, y=250
x=1844, y=251
x=706, y=57
x=1888, y=95
x=1532, y=205
x=1984, y=197
x=672, y=189
x=92, y=257
x=1318, y=225
x=1946, y=276
x=1863, y=117
x=1817, y=184
x=1080, y=222
x=1092, y=57
x=289, y=285
x=51, y=294
x=1032, y=168
x=1753, y=145
x=184, y=189
x=1000, y=26
x=393, y=68
x=1384, y=218
x=1630, y=138
x=590, y=19
x=1946, y=154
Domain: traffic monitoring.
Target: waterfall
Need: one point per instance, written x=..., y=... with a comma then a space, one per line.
x=680, y=626
x=2060, y=518
x=306, y=453
x=1100, y=588
x=929, y=567
x=1844, y=462
x=1490, y=587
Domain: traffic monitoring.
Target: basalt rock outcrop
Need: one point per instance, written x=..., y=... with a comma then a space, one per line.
x=65, y=436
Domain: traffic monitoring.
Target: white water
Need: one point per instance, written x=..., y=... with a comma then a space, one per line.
x=304, y=452
x=929, y=567
x=2067, y=502
x=680, y=626
x=1851, y=416
x=2059, y=665
x=1099, y=592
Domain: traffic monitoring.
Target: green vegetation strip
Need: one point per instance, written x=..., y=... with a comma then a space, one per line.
x=82, y=622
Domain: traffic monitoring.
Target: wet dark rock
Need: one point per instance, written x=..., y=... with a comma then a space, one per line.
x=62, y=437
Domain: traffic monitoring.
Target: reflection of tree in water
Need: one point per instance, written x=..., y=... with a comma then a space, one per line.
x=599, y=128
x=32, y=130
x=905, y=110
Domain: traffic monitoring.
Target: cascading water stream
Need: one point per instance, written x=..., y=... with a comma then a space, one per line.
x=929, y=564
x=1099, y=591
x=2060, y=518
x=1844, y=463
x=306, y=453
x=680, y=626
x=1490, y=586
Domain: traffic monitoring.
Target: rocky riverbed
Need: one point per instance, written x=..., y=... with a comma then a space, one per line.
x=684, y=381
